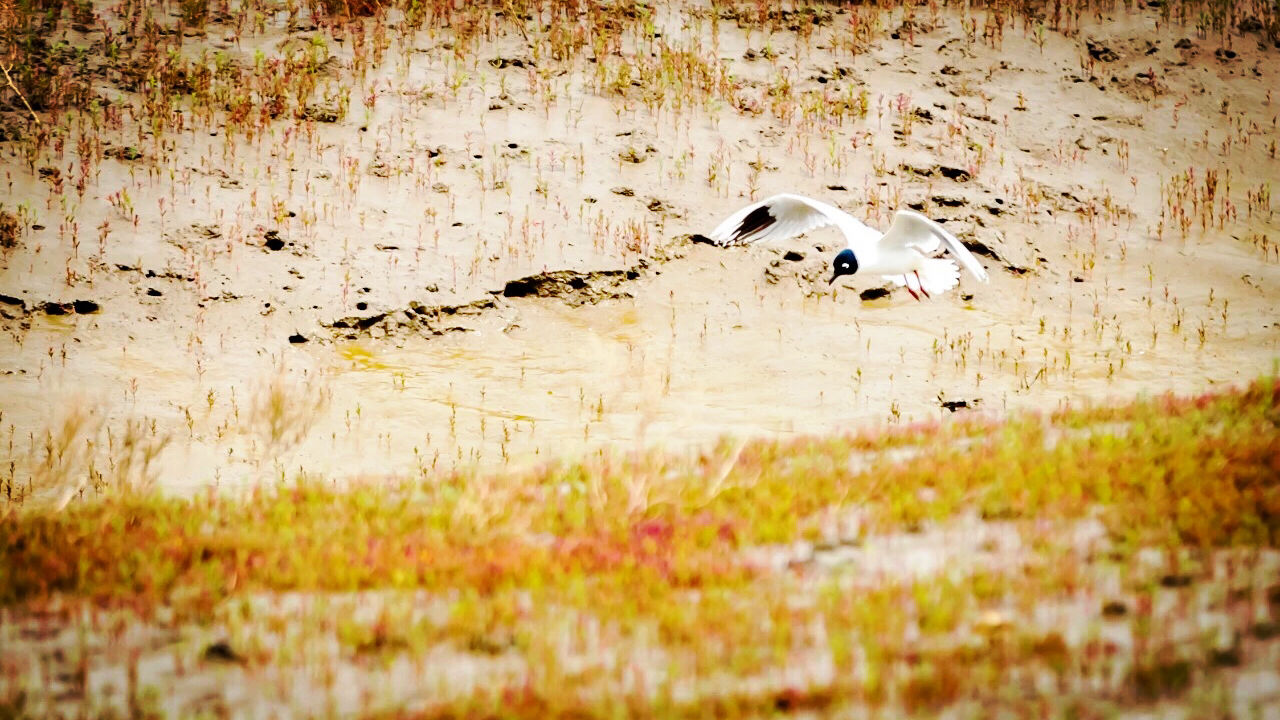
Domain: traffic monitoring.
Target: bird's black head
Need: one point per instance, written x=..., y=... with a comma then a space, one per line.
x=844, y=264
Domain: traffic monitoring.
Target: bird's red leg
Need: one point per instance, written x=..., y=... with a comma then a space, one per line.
x=913, y=292
x=926, y=292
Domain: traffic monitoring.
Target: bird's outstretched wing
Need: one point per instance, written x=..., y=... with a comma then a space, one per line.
x=785, y=216
x=911, y=229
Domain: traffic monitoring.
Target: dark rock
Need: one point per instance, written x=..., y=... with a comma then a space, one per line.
x=954, y=405
x=699, y=239
x=154, y=292
x=793, y=256
x=837, y=188
x=1101, y=52
x=221, y=651
x=873, y=293
x=1114, y=608
x=623, y=191
x=84, y=307
x=297, y=338
x=1183, y=44
x=953, y=173
x=10, y=300
x=54, y=308
x=273, y=240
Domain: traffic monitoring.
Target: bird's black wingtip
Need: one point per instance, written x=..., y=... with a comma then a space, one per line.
x=755, y=221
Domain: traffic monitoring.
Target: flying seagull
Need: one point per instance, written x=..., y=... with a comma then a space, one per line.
x=903, y=255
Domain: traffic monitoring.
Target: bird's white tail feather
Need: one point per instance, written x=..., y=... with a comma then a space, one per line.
x=937, y=276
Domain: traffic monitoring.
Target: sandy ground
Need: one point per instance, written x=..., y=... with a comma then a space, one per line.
x=1085, y=166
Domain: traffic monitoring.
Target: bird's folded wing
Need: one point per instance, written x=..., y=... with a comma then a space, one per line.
x=778, y=218
x=911, y=229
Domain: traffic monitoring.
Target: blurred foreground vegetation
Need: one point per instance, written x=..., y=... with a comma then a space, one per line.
x=1084, y=560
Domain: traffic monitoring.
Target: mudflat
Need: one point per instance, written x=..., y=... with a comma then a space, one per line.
x=358, y=244
x=367, y=243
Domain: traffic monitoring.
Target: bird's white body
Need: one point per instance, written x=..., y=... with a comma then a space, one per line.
x=903, y=255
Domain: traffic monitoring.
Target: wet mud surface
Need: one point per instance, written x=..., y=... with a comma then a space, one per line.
x=525, y=283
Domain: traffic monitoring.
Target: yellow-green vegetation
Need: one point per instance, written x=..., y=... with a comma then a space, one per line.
x=1050, y=564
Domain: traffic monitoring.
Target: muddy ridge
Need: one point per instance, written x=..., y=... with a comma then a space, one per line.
x=574, y=288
